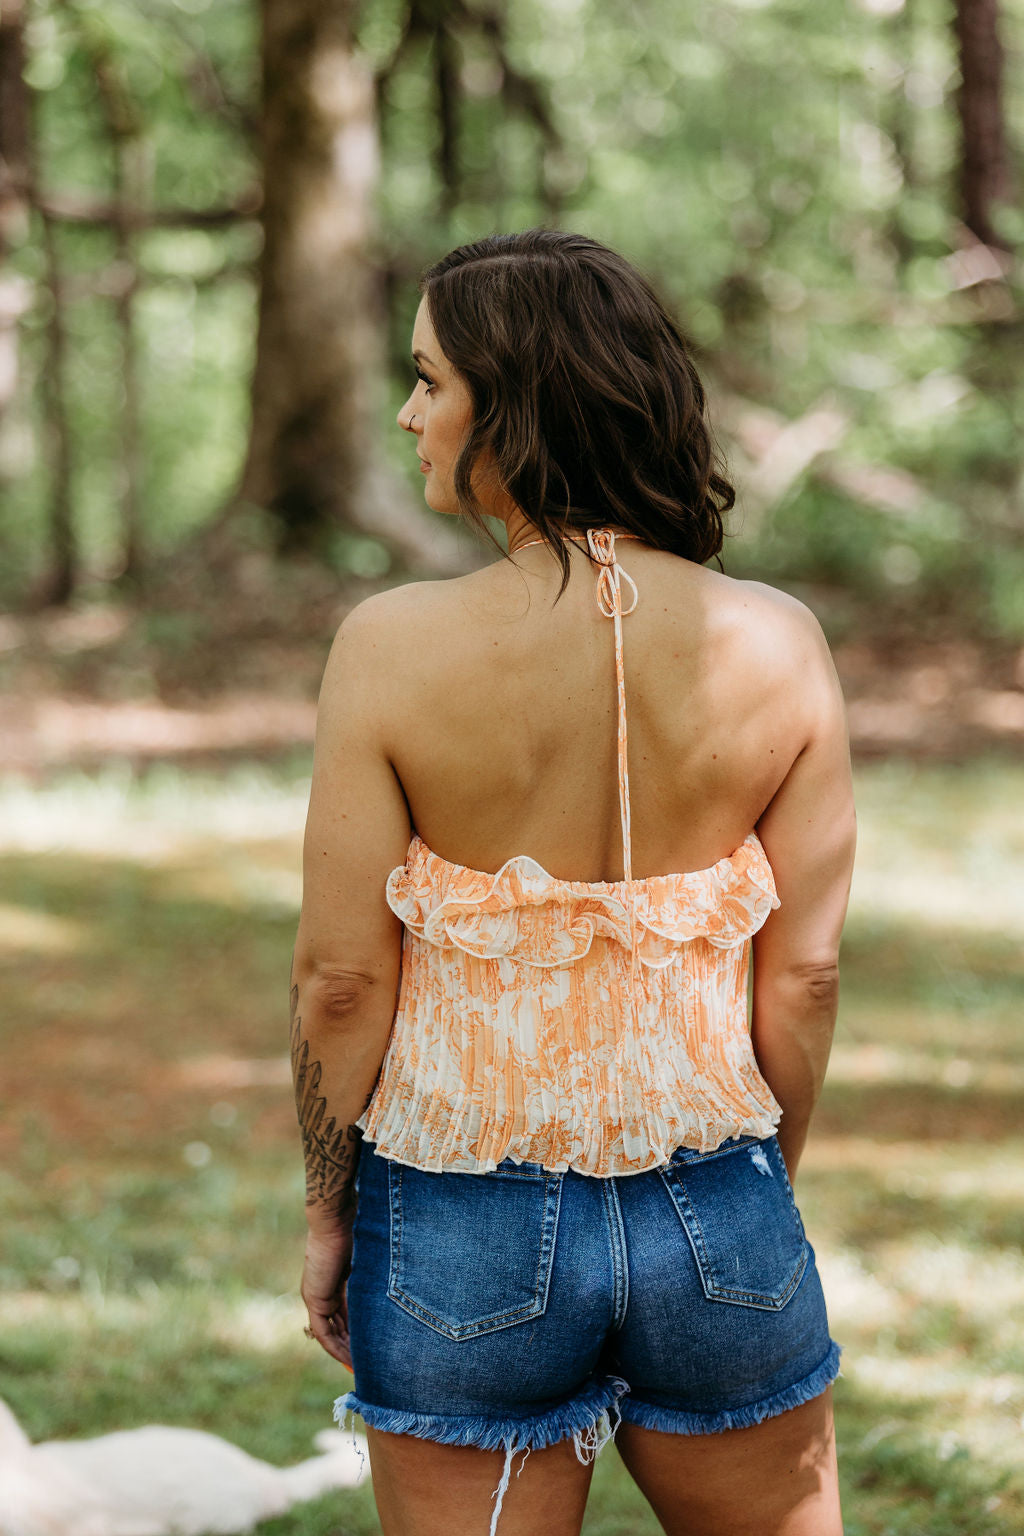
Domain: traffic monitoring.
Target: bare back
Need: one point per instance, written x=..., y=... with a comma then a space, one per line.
x=502, y=713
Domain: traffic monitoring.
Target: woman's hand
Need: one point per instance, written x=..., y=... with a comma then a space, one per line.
x=324, y=1288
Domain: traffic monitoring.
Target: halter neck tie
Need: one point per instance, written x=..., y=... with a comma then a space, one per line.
x=610, y=576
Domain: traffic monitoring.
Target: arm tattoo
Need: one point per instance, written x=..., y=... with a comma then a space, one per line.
x=330, y=1150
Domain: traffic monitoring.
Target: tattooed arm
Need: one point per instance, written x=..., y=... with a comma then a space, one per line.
x=335, y=1063
x=347, y=961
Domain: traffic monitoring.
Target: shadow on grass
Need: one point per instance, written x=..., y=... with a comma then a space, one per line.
x=123, y=976
x=942, y=989
x=868, y=1214
x=918, y=1112
x=153, y=939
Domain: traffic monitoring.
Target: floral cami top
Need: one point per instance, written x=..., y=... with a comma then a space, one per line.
x=592, y=1025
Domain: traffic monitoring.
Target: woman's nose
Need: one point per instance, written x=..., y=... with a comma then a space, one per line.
x=406, y=416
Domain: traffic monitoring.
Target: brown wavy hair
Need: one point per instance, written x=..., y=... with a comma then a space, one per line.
x=583, y=391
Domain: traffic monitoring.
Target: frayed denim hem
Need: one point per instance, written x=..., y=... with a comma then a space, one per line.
x=573, y=1418
x=673, y=1421
x=591, y=1419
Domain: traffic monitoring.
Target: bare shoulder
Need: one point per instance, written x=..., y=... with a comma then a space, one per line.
x=393, y=615
x=363, y=644
x=387, y=617
x=766, y=605
x=772, y=649
x=773, y=622
x=382, y=642
x=376, y=614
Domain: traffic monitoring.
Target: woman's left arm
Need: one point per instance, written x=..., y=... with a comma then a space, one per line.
x=346, y=965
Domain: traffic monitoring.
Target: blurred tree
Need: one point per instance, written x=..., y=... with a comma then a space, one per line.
x=984, y=167
x=24, y=193
x=445, y=33
x=860, y=343
x=14, y=178
x=314, y=460
x=14, y=175
x=17, y=194
x=125, y=130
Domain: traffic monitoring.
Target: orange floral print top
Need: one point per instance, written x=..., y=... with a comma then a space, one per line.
x=593, y=1025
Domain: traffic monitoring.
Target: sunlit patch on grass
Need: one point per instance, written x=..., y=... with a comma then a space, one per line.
x=941, y=1391
x=901, y=1378
x=236, y=880
x=117, y=812
x=263, y=1323
x=856, y=1297
x=223, y=1072
x=879, y=1064
x=238, y=1319
x=941, y=846
x=984, y=1286
x=44, y=933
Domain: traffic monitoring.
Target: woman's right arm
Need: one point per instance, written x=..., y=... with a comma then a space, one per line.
x=809, y=833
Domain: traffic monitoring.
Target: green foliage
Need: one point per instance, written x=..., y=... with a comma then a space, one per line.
x=196, y=309
x=786, y=173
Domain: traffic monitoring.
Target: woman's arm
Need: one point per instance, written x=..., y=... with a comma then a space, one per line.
x=809, y=834
x=346, y=965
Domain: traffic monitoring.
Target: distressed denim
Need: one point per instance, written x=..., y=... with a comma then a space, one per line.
x=512, y=1309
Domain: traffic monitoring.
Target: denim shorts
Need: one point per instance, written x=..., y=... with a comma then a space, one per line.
x=513, y=1309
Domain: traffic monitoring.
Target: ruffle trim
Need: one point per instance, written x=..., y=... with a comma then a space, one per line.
x=524, y=913
x=417, y=1137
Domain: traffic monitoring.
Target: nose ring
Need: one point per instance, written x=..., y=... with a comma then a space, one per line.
x=412, y=418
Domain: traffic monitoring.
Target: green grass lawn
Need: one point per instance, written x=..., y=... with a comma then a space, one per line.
x=151, y=1188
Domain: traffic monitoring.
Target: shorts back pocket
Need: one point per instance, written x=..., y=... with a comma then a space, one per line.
x=471, y=1253
x=736, y=1205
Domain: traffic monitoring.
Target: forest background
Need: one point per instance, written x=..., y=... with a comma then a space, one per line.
x=212, y=221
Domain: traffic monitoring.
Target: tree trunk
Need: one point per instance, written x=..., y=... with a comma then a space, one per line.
x=14, y=123
x=59, y=585
x=131, y=193
x=318, y=387
x=19, y=193
x=984, y=173
x=15, y=294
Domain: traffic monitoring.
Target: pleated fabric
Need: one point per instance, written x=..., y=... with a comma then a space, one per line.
x=593, y=1025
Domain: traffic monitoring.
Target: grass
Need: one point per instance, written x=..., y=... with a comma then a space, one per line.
x=151, y=1193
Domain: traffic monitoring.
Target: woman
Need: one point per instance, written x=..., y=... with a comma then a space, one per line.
x=572, y=1213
